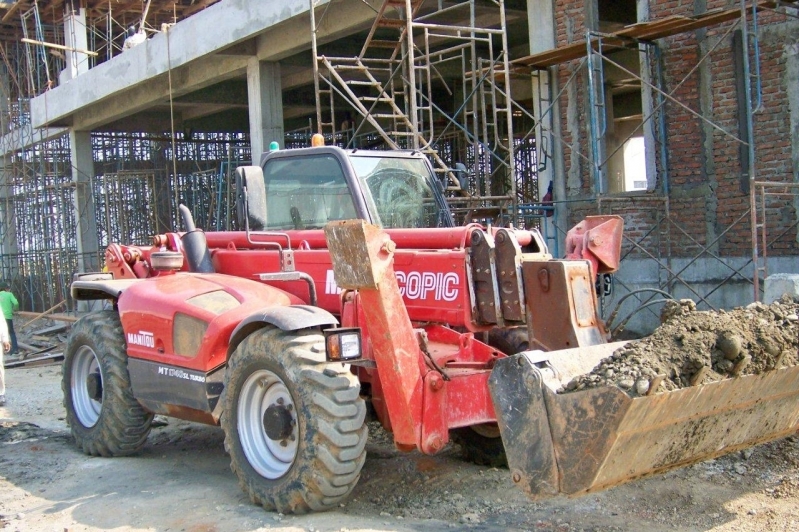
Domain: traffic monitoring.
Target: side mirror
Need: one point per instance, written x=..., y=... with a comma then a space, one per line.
x=462, y=175
x=251, y=198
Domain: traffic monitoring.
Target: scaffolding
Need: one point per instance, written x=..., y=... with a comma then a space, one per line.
x=435, y=79
x=407, y=58
x=594, y=56
x=135, y=195
x=391, y=82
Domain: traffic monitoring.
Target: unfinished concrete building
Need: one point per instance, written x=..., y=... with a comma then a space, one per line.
x=683, y=117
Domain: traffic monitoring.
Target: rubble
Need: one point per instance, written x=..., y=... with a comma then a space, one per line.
x=693, y=347
x=43, y=345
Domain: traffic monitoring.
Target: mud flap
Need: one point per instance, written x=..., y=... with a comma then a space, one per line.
x=594, y=439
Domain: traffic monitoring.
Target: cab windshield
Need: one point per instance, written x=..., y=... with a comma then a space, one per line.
x=306, y=193
x=400, y=192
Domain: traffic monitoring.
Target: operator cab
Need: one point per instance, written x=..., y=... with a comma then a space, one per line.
x=307, y=188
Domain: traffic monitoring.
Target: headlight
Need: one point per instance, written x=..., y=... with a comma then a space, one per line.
x=342, y=345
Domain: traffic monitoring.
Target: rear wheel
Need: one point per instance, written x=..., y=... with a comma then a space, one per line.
x=482, y=444
x=294, y=423
x=104, y=417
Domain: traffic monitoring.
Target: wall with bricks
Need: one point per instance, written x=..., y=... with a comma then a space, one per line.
x=707, y=171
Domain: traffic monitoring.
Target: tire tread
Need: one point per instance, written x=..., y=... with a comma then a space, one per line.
x=124, y=424
x=329, y=468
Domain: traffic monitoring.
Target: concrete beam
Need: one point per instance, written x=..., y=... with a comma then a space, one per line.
x=103, y=110
x=25, y=137
x=136, y=79
x=200, y=111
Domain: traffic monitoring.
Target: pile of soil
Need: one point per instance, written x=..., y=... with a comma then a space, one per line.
x=693, y=347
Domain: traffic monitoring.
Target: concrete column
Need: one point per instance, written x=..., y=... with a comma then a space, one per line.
x=5, y=102
x=541, y=21
x=791, y=82
x=163, y=193
x=8, y=227
x=264, y=92
x=80, y=151
x=75, y=37
x=648, y=105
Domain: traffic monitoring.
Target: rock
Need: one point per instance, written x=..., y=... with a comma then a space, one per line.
x=626, y=384
x=730, y=344
x=770, y=347
x=671, y=309
x=470, y=518
x=725, y=366
x=641, y=386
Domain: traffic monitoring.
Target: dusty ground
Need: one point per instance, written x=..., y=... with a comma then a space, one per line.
x=181, y=482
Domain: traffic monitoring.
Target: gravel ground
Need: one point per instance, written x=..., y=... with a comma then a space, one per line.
x=181, y=481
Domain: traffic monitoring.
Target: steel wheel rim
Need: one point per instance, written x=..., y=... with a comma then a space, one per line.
x=270, y=458
x=86, y=408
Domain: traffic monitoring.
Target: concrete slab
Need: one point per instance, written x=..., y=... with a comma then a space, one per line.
x=778, y=284
x=195, y=51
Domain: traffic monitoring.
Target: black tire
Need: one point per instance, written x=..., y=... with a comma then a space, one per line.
x=305, y=439
x=482, y=444
x=104, y=417
x=510, y=340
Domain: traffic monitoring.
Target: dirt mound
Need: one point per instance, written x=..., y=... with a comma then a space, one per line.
x=693, y=347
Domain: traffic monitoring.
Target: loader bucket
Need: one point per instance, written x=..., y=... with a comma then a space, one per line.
x=589, y=440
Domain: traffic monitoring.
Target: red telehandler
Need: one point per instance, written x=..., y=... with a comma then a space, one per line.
x=349, y=287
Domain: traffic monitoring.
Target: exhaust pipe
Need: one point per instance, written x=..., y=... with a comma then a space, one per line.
x=195, y=245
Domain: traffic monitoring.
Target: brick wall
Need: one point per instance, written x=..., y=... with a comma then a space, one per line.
x=707, y=192
x=570, y=23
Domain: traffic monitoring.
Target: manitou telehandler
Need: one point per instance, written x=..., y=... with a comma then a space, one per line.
x=349, y=286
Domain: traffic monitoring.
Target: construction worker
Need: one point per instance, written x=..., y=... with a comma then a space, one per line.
x=9, y=304
x=6, y=347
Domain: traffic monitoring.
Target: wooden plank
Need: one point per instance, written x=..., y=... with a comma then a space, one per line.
x=643, y=31
x=38, y=361
x=13, y=9
x=71, y=318
x=33, y=348
x=61, y=327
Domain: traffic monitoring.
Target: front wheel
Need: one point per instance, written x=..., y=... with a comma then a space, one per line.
x=104, y=417
x=294, y=423
x=482, y=444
